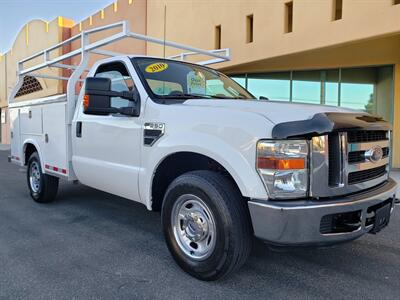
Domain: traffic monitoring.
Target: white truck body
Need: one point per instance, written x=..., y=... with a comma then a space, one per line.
x=105, y=162
x=33, y=122
x=346, y=190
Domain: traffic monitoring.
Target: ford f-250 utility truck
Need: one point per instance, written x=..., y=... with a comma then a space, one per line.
x=220, y=165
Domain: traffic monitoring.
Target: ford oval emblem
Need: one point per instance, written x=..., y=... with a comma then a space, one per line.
x=374, y=154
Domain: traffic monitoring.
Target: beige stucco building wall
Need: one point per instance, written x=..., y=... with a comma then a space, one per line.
x=33, y=37
x=132, y=11
x=194, y=22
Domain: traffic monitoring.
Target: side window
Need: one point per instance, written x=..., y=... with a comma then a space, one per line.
x=120, y=81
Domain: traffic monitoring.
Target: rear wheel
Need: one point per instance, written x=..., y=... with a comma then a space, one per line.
x=43, y=188
x=206, y=224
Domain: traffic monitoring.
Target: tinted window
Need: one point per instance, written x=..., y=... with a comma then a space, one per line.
x=307, y=87
x=357, y=89
x=120, y=81
x=168, y=79
x=274, y=86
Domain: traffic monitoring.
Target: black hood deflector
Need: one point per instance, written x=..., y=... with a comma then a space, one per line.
x=324, y=123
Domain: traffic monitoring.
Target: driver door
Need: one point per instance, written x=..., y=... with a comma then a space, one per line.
x=107, y=147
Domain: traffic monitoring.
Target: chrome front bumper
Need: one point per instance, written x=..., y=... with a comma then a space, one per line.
x=297, y=223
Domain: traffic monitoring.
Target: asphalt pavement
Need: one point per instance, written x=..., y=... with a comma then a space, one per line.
x=92, y=245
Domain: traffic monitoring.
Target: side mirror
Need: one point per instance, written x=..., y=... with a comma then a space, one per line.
x=98, y=94
x=263, y=98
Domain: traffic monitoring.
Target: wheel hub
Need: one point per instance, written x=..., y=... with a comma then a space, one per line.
x=35, y=177
x=194, y=227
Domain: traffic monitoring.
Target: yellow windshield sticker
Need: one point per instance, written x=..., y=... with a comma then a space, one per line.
x=156, y=67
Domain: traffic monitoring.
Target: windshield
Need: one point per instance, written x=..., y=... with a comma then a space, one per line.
x=168, y=79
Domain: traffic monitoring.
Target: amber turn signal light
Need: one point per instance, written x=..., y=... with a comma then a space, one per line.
x=85, y=102
x=273, y=163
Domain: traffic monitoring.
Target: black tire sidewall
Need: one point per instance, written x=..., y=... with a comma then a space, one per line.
x=203, y=269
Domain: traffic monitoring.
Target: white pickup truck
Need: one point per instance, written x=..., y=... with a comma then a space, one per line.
x=221, y=166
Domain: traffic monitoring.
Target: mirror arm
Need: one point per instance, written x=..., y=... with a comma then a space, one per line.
x=103, y=93
x=125, y=94
x=103, y=111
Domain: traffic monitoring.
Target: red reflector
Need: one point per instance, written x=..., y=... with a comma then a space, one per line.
x=64, y=171
x=46, y=166
x=280, y=164
x=55, y=169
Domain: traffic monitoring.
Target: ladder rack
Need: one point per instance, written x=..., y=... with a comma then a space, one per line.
x=86, y=48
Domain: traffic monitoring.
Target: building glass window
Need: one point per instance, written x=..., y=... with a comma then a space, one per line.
x=357, y=89
x=306, y=87
x=249, y=29
x=331, y=87
x=218, y=37
x=289, y=17
x=384, y=93
x=337, y=9
x=368, y=89
x=241, y=79
x=274, y=86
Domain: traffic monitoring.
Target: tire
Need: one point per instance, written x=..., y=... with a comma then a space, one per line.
x=43, y=188
x=206, y=225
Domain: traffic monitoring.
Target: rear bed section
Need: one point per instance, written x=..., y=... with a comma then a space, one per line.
x=41, y=123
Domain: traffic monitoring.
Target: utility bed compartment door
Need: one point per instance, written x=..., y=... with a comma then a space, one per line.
x=55, y=141
x=31, y=120
x=16, y=153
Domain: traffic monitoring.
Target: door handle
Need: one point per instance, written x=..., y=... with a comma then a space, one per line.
x=79, y=129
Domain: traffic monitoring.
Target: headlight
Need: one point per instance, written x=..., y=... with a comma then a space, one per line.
x=283, y=166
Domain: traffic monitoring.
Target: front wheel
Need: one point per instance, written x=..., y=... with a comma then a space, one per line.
x=206, y=224
x=43, y=188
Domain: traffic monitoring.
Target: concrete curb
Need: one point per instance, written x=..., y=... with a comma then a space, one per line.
x=4, y=147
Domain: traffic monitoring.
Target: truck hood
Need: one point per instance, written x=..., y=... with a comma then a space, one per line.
x=276, y=112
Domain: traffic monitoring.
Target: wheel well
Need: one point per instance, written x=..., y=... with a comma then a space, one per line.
x=177, y=164
x=29, y=150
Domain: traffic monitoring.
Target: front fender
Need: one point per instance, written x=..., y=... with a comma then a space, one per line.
x=238, y=160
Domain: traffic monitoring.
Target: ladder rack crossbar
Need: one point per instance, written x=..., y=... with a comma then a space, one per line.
x=86, y=48
x=107, y=53
x=94, y=47
x=51, y=77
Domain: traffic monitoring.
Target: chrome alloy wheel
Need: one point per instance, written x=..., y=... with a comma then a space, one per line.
x=35, y=177
x=194, y=227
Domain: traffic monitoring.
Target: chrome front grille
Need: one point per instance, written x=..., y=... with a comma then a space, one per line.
x=359, y=156
x=349, y=162
x=363, y=136
x=366, y=175
x=360, y=165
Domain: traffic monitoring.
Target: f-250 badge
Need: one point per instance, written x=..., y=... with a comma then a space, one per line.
x=152, y=132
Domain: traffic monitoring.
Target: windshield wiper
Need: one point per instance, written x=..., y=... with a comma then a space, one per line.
x=184, y=96
x=225, y=97
x=199, y=96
